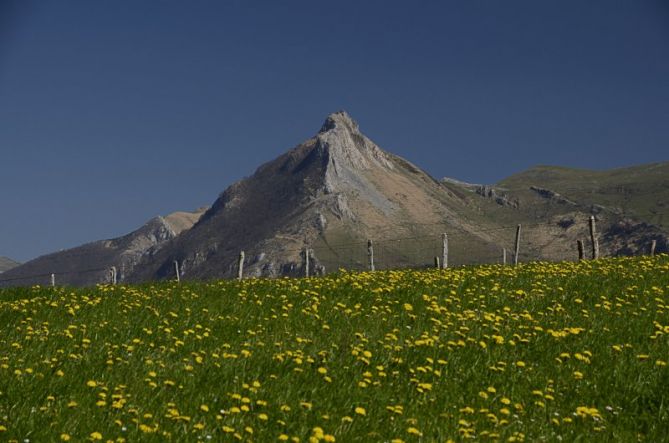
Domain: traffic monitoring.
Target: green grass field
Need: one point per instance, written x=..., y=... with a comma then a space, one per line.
x=541, y=352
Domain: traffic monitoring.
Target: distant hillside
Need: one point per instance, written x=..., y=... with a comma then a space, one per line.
x=89, y=264
x=631, y=205
x=7, y=263
x=640, y=191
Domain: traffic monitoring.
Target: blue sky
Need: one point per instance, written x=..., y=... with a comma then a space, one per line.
x=114, y=112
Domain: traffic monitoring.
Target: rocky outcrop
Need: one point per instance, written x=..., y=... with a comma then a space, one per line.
x=552, y=196
x=497, y=196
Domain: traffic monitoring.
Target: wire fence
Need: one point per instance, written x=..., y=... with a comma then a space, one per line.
x=546, y=241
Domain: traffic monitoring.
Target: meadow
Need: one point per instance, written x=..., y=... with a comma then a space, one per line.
x=538, y=352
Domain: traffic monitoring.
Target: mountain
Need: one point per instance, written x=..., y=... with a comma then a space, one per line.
x=89, y=264
x=7, y=264
x=337, y=189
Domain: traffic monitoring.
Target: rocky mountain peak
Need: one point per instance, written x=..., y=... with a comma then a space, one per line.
x=347, y=149
x=339, y=120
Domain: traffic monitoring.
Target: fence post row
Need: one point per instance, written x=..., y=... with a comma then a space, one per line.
x=240, y=266
x=370, y=253
x=517, y=248
x=439, y=262
x=593, y=238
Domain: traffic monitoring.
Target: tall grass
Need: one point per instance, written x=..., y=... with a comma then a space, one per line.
x=542, y=351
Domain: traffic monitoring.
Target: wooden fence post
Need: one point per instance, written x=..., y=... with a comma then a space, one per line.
x=517, y=248
x=370, y=253
x=240, y=266
x=176, y=271
x=652, y=247
x=306, y=262
x=593, y=238
x=579, y=245
x=444, y=251
x=504, y=256
x=53, y=280
x=436, y=263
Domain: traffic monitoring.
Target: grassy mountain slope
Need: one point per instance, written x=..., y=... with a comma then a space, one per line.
x=640, y=192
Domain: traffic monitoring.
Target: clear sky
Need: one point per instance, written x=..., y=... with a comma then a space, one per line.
x=112, y=112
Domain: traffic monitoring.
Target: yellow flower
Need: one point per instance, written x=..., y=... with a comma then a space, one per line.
x=204, y=408
x=263, y=417
x=96, y=436
x=64, y=437
x=414, y=431
x=91, y=383
x=322, y=370
x=360, y=411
